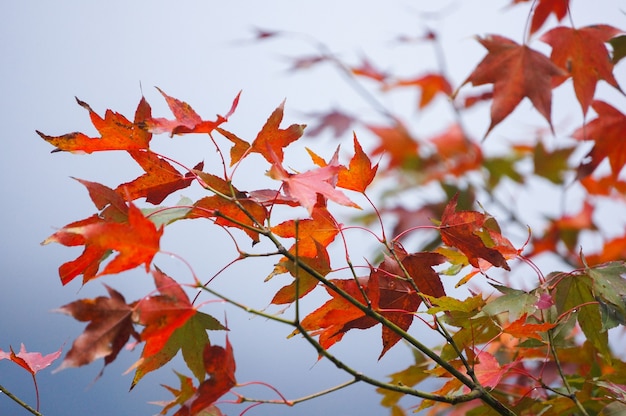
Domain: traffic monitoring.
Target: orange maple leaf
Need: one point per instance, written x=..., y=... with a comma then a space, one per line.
x=516, y=71
x=231, y=213
x=159, y=181
x=359, y=173
x=397, y=143
x=368, y=70
x=521, y=329
x=321, y=228
x=582, y=52
x=430, y=85
x=136, y=241
x=117, y=133
x=269, y=142
x=607, y=131
x=566, y=229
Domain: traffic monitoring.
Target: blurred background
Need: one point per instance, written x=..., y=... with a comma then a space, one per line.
x=110, y=53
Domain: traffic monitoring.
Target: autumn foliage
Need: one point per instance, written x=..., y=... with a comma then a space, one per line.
x=514, y=338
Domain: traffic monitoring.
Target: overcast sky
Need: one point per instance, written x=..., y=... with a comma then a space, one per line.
x=107, y=54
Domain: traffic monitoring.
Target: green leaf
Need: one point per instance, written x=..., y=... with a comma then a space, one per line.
x=574, y=293
x=502, y=167
x=450, y=304
x=551, y=165
x=609, y=288
x=515, y=302
x=166, y=215
x=619, y=48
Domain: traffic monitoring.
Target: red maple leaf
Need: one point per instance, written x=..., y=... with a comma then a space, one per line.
x=136, y=240
x=582, y=53
x=389, y=293
x=186, y=119
x=516, y=71
x=220, y=365
x=463, y=229
x=159, y=181
x=110, y=326
x=607, y=132
x=117, y=133
x=543, y=9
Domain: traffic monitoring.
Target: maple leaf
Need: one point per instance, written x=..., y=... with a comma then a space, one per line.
x=614, y=249
x=488, y=371
x=110, y=326
x=387, y=291
x=462, y=230
x=397, y=142
x=551, y=165
x=430, y=85
x=398, y=300
x=117, y=133
x=220, y=365
x=304, y=187
x=583, y=54
x=33, y=362
x=181, y=395
x=335, y=317
x=359, y=173
x=336, y=120
x=171, y=323
x=543, y=9
x=136, y=241
x=368, y=70
x=565, y=229
x=111, y=204
x=159, y=181
x=306, y=62
x=186, y=119
x=454, y=155
x=269, y=142
x=576, y=293
x=230, y=214
x=304, y=282
x=522, y=329
x=516, y=71
x=607, y=132
x=321, y=228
